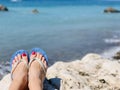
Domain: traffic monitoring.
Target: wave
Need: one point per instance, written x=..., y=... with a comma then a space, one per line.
x=112, y=41
x=115, y=41
x=109, y=53
x=16, y=0
x=4, y=69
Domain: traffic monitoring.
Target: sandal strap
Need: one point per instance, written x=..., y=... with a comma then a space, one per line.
x=40, y=62
x=15, y=66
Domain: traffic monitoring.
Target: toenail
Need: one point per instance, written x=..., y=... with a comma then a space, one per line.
x=24, y=54
x=33, y=53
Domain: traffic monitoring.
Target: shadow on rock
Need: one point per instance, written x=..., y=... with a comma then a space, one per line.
x=52, y=84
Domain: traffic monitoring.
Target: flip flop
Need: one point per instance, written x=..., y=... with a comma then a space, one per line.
x=37, y=59
x=15, y=64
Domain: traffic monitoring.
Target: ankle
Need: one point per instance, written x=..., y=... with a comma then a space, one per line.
x=35, y=84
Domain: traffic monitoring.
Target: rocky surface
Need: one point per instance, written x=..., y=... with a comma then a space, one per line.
x=3, y=8
x=117, y=56
x=111, y=10
x=35, y=11
x=91, y=73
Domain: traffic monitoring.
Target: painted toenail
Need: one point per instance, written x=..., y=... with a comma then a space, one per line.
x=33, y=53
x=24, y=54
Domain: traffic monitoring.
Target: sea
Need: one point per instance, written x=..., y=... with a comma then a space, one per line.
x=66, y=29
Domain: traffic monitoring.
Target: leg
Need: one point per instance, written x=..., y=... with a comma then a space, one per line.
x=36, y=73
x=19, y=81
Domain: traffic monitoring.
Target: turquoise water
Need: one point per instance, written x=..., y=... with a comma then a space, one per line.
x=65, y=32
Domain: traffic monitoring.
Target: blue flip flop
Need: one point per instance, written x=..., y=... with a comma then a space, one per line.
x=40, y=62
x=22, y=60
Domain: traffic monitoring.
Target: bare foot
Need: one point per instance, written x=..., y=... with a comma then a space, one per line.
x=36, y=72
x=19, y=73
